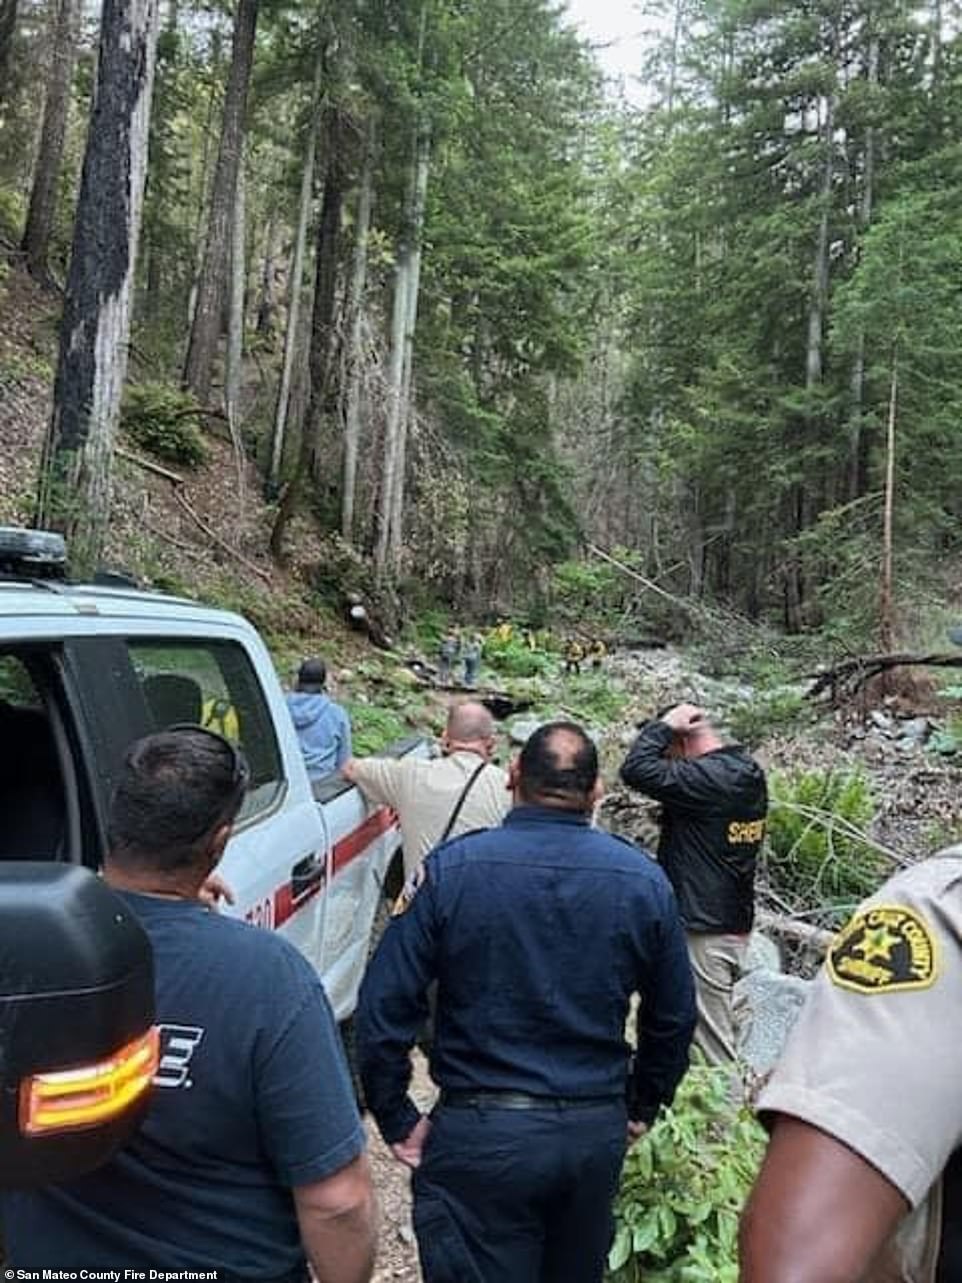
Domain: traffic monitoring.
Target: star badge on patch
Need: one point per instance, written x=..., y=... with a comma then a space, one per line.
x=885, y=949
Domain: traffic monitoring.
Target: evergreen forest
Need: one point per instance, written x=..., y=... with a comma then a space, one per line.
x=472, y=315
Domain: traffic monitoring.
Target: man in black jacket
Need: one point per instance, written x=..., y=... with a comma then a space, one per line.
x=715, y=801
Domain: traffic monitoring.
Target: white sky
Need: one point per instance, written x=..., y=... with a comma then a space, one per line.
x=617, y=25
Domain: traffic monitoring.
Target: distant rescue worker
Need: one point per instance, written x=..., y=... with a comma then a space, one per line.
x=323, y=727
x=448, y=654
x=574, y=654
x=862, y=1182
x=444, y=796
x=537, y=934
x=250, y=1162
x=471, y=654
x=715, y=801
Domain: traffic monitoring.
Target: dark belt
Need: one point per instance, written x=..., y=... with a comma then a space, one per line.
x=520, y=1100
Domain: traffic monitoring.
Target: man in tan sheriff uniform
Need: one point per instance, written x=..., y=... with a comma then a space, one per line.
x=862, y=1182
x=427, y=793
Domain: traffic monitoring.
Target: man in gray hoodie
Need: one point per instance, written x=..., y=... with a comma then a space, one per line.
x=323, y=727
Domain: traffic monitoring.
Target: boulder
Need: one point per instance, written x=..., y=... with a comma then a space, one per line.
x=766, y=1007
x=916, y=730
x=881, y=721
x=521, y=730
x=762, y=954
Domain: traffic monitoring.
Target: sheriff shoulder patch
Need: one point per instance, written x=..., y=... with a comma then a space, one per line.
x=407, y=893
x=886, y=949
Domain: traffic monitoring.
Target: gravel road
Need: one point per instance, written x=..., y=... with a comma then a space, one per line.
x=397, y=1257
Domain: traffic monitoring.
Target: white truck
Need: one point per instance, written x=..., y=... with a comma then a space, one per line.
x=86, y=669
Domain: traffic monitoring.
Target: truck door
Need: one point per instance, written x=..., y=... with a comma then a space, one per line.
x=275, y=862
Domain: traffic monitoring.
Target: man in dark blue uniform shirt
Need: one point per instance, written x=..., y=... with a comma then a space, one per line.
x=250, y=1161
x=537, y=934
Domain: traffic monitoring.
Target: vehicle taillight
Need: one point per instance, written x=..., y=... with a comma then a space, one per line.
x=90, y=1094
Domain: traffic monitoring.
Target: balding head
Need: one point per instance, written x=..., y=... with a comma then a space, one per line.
x=470, y=727
x=558, y=767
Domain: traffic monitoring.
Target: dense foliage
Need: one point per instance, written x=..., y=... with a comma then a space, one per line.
x=163, y=420
x=684, y=1185
x=817, y=853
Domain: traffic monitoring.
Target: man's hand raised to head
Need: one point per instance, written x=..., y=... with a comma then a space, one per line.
x=685, y=718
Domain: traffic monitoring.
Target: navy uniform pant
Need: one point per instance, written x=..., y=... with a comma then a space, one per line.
x=519, y=1196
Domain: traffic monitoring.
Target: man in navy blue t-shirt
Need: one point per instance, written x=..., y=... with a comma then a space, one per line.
x=251, y=1159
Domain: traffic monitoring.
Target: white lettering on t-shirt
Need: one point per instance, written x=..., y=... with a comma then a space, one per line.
x=177, y=1045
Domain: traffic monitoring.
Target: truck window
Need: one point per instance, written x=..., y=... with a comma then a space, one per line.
x=214, y=684
x=32, y=795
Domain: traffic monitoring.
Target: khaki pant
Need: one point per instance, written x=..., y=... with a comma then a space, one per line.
x=717, y=961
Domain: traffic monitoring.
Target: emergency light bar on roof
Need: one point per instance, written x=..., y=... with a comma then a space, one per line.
x=32, y=554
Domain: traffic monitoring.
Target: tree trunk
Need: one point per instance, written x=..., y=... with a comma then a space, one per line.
x=819, y=296
x=352, y=397
x=265, y=307
x=206, y=326
x=235, y=335
x=886, y=596
x=8, y=28
x=204, y=183
x=297, y=281
x=814, y=366
x=676, y=32
x=46, y=176
x=858, y=480
x=422, y=169
x=75, y=481
x=391, y=499
x=935, y=41
x=323, y=331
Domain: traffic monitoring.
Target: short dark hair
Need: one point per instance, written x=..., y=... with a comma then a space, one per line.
x=559, y=761
x=312, y=675
x=175, y=789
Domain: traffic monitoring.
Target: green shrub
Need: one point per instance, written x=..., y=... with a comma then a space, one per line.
x=163, y=421
x=751, y=721
x=816, y=851
x=514, y=658
x=12, y=212
x=373, y=728
x=684, y=1185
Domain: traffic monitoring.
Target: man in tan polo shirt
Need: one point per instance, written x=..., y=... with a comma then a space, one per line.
x=862, y=1182
x=426, y=792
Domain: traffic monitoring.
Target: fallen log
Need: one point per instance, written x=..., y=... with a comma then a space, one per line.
x=815, y=938
x=854, y=672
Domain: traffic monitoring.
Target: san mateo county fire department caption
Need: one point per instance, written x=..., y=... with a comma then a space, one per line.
x=114, y=1276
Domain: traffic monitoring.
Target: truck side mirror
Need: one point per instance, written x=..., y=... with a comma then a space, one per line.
x=78, y=1049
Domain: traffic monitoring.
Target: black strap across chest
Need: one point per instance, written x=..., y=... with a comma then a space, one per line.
x=453, y=817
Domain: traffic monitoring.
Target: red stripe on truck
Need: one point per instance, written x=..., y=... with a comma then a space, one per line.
x=348, y=848
x=353, y=843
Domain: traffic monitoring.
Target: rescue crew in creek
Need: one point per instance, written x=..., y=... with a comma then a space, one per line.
x=862, y=1182
x=537, y=934
x=714, y=803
